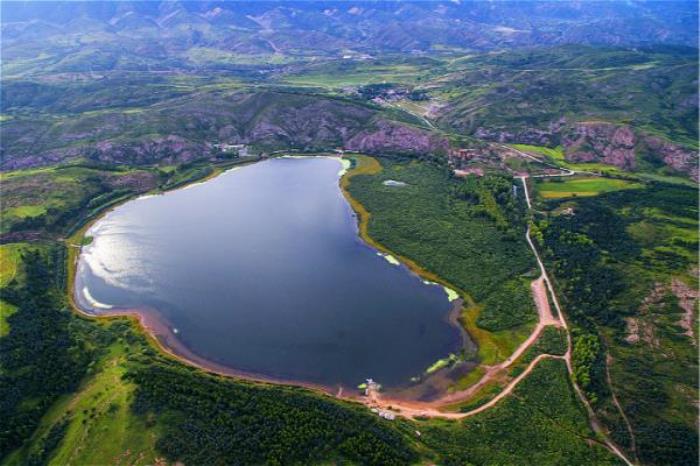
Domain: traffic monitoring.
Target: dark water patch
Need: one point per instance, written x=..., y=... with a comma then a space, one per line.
x=261, y=270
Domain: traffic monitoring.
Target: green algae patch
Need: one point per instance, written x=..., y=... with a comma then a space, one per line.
x=451, y=294
x=441, y=363
x=389, y=258
x=347, y=164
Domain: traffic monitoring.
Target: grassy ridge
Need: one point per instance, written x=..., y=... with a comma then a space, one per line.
x=48, y=199
x=98, y=425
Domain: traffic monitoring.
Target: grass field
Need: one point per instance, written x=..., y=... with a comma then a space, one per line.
x=580, y=187
x=26, y=211
x=357, y=76
x=211, y=56
x=103, y=425
x=98, y=424
x=6, y=310
x=10, y=258
x=556, y=155
x=494, y=347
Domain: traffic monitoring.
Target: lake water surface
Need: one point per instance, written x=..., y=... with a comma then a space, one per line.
x=261, y=270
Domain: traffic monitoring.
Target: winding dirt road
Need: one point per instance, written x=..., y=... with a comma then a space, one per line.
x=542, y=291
x=595, y=424
x=540, y=288
x=414, y=409
x=633, y=439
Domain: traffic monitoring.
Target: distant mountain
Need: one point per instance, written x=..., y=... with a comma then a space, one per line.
x=330, y=28
x=146, y=81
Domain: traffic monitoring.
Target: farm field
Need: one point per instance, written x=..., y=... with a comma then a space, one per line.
x=575, y=187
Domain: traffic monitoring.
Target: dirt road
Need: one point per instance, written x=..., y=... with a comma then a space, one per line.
x=542, y=291
x=414, y=409
x=431, y=409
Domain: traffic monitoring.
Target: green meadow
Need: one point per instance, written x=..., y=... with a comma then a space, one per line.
x=556, y=155
x=10, y=262
x=96, y=422
x=581, y=187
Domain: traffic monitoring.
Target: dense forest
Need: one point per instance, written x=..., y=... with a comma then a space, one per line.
x=105, y=380
x=43, y=355
x=607, y=254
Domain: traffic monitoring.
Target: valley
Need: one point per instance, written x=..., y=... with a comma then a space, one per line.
x=218, y=220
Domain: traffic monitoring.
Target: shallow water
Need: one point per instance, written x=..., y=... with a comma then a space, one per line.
x=261, y=270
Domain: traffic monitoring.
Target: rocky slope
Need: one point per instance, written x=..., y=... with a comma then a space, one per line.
x=635, y=108
x=618, y=145
x=183, y=129
x=625, y=148
x=388, y=137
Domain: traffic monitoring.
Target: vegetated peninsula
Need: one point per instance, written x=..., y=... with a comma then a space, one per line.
x=349, y=232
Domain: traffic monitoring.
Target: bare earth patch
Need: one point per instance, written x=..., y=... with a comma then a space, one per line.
x=642, y=329
x=688, y=301
x=632, y=330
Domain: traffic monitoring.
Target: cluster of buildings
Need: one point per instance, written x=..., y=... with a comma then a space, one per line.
x=463, y=155
x=371, y=390
x=241, y=149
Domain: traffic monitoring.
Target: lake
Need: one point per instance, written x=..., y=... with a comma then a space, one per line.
x=261, y=270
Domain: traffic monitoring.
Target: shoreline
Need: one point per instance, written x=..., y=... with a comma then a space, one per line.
x=161, y=335
x=148, y=324
x=363, y=216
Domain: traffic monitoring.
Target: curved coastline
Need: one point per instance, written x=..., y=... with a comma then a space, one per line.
x=161, y=334
x=163, y=337
x=373, y=167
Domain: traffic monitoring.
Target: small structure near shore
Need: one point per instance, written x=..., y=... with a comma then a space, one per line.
x=241, y=150
x=370, y=387
x=386, y=414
